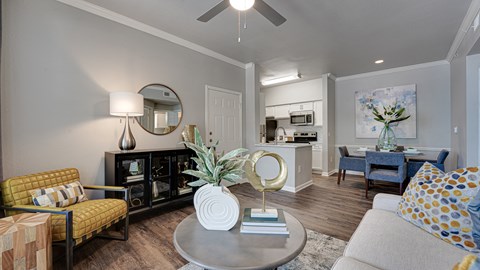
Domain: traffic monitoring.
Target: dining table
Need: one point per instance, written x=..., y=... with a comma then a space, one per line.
x=408, y=153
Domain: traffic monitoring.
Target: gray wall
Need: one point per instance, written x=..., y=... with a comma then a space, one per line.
x=459, y=113
x=465, y=109
x=329, y=125
x=473, y=68
x=433, y=105
x=331, y=116
x=59, y=65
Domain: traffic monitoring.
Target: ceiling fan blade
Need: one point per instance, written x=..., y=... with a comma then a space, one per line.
x=214, y=11
x=269, y=13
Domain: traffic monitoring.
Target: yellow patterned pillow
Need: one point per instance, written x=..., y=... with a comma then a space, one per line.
x=446, y=206
x=59, y=196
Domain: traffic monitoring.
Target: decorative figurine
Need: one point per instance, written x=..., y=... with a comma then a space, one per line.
x=274, y=184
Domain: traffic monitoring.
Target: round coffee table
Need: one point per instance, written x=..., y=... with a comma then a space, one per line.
x=235, y=250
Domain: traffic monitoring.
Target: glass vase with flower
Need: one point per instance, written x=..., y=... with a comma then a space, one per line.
x=389, y=115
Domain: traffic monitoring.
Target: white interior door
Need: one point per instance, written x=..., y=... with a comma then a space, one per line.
x=223, y=118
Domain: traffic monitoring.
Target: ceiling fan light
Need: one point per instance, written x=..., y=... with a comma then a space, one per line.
x=242, y=4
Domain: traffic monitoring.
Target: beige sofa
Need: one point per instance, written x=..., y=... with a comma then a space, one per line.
x=385, y=241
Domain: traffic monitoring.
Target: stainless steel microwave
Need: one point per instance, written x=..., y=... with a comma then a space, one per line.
x=302, y=118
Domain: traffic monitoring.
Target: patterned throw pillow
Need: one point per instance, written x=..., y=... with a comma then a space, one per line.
x=446, y=206
x=426, y=173
x=59, y=196
x=407, y=208
x=469, y=262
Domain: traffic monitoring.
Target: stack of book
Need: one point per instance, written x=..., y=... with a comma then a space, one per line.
x=264, y=225
x=134, y=178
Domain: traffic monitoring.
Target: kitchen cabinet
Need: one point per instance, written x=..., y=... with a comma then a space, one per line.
x=269, y=111
x=282, y=112
x=318, y=113
x=317, y=157
x=306, y=106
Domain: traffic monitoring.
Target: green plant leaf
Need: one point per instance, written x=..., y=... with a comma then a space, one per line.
x=400, y=119
x=198, y=138
x=232, y=178
x=232, y=154
x=209, y=166
x=399, y=112
x=211, y=159
x=216, y=173
x=233, y=164
x=238, y=172
x=200, y=175
x=198, y=161
x=212, y=168
x=198, y=183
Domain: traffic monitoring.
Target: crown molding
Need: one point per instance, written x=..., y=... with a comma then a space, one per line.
x=124, y=20
x=331, y=76
x=393, y=70
x=464, y=29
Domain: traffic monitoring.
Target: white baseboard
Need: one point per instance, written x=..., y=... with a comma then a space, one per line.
x=330, y=173
x=298, y=188
x=353, y=172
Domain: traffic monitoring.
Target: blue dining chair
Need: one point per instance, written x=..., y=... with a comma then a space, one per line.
x=413, y=165
x=349, y=162
x=375, y=169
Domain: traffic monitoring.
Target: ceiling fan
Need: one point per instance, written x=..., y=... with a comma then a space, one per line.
x=263, y=8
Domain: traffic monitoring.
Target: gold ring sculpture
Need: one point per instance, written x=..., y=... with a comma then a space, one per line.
x=255, y=180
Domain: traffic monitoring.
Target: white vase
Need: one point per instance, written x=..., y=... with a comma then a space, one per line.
x=217, y=208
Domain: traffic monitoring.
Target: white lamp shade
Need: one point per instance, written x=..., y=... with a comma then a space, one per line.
x=123, y=103
x=242, y=4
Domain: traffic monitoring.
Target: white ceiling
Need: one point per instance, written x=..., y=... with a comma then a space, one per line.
x=343, y=37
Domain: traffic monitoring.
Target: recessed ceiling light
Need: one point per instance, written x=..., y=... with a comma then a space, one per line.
x=281, y=79
x=379, y=61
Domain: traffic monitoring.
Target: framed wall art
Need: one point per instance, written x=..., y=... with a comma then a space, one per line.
x=365, y=100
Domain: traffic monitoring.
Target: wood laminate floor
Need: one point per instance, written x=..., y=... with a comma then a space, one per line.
x=323, y=207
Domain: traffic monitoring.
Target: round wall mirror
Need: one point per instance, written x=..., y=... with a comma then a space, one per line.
x=162, y=111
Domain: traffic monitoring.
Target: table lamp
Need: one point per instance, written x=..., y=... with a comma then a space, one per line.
x=126, y=104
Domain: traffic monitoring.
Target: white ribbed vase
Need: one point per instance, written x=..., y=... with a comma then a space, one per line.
x=217, y=208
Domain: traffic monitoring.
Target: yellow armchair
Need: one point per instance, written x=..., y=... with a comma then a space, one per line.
x=74, y=224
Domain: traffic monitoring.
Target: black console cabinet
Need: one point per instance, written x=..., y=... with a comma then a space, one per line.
x=154, y=177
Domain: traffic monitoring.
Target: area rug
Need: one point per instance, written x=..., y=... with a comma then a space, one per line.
x=319, y=253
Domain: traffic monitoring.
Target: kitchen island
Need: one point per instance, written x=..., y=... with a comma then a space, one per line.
x=298, y=157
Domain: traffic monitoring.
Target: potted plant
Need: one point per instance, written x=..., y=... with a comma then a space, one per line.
x=217, y=208
x=388, y=116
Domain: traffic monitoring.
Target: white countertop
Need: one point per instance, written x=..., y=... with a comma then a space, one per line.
x=284, y=145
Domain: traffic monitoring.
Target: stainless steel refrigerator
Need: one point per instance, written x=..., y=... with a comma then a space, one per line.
x=271, y=125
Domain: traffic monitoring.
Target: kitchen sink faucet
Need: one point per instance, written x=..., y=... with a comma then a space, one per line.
x=276, y=136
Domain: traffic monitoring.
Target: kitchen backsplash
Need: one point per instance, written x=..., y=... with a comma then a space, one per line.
x=285, y=123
